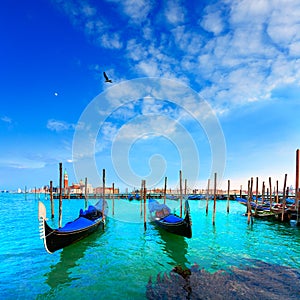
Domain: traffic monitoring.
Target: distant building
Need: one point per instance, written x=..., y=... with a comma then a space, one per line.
x=75, y=189
x=108, y=190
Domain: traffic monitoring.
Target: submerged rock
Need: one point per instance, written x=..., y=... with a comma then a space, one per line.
x=260, y=281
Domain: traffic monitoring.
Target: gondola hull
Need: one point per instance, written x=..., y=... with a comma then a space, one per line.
x=182, y=228
x=55, y=239
x=174, y=224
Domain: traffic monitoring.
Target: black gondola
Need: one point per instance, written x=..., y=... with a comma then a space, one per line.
x=161, y=216
x=88, y=222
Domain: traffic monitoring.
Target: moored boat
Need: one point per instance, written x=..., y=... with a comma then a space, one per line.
x=87, y=222
x=161, y=216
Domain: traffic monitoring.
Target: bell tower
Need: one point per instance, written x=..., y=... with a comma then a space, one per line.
x=66, y=179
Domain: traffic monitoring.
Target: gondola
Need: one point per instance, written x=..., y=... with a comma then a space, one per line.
x=161, y=216
x=87, y=222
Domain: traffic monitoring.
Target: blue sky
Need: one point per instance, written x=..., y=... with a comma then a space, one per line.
x=242, y=59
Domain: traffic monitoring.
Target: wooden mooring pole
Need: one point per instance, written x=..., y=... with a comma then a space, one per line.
x=145, y=196
x=60, y=197
x=165, y=190
x=277, y=196
x=51, y=200
x=113, y=199
x=297, y=194
x=142, y=197
x=283, y=200
x=256, y=195
x=271, y=198
x=228, y=195
x=85, y=194
x=103, y=199
x=207, y=195
x=250, y=196
x=263, y=193
x=215, y=199
x=180, y=187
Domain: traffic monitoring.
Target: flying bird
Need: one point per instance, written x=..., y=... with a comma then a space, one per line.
x=106, y=78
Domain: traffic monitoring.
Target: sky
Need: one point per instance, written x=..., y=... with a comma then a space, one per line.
x=199, y=86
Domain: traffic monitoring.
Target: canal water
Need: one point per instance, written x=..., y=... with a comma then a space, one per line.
x=118, y=262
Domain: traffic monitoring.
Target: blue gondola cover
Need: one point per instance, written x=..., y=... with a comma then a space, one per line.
x=77, y=224
x=172, y=219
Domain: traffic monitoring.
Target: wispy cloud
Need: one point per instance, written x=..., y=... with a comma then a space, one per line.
x=56, y=125
x=111, y=41
x=6, y=119
x=136, y=10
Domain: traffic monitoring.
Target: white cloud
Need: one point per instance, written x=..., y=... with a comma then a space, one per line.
x=149, y=68
x=187, y=40
x=174, y=12
x=283, y=26
x=56, y=125
x=213, y=23
x=156, y=125
x=135, y=51
x=255, y=46
x=294, y=49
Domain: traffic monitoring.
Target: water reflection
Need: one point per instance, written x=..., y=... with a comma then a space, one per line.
x=175, y=247
x=61, y=272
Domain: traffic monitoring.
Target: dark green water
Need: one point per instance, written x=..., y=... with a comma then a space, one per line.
x=117, y=263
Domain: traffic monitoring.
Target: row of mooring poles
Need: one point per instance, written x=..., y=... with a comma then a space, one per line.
x=250, y=194
x=60, y=196
x=215, y=197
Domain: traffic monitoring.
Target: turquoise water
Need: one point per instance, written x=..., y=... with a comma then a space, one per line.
x=118, y=262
